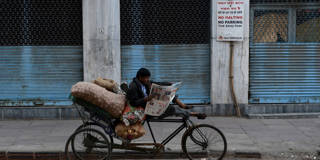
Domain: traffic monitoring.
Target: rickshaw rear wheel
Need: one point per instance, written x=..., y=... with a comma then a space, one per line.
x=89, y=143
x=95, y=125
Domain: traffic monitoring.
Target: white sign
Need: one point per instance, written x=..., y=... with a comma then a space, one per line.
x=230, y=20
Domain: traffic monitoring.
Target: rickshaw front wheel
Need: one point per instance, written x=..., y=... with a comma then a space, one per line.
x=204, y=141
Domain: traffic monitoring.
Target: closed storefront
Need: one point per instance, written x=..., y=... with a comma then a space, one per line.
x=171, y=38
x=40, y=51
x=285, y=51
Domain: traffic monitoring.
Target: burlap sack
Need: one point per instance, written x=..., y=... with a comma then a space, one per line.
x=108, y=84
x=110, y=102
x=130, y=132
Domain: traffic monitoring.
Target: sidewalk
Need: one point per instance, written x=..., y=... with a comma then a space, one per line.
x=265, y=137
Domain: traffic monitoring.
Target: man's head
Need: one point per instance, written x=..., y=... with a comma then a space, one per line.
x=143, y=75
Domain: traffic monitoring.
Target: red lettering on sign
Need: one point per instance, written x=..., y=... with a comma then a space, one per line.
x=237, y=17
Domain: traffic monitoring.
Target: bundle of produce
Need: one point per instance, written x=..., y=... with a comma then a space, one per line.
x=130, y=132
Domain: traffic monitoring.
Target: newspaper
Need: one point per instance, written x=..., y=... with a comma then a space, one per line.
x=163, y=96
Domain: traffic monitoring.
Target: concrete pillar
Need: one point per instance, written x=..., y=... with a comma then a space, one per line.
x=220, y=53
x=101, y=39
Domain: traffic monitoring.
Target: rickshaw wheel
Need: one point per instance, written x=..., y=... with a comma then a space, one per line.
x=96, y=126
x=89, y=143
x=204, y=141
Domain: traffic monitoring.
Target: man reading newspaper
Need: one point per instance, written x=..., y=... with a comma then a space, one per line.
x=139, y=95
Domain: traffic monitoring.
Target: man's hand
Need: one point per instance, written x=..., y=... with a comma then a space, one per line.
x=149, y=84
x=149, y=98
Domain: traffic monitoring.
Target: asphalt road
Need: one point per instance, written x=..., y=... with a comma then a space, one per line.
x=284, y=156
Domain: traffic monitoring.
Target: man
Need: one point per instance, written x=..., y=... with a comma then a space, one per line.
x=138, y=95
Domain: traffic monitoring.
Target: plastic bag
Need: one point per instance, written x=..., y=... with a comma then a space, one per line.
x=132, y=115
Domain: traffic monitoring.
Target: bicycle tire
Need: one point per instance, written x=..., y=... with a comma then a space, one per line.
x=66, y=149
x=91, y=125
x=197, y=137
x=82, y=126
x=88, y=132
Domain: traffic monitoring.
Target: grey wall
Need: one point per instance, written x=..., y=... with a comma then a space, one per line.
x=101, y=39
x=220, y=54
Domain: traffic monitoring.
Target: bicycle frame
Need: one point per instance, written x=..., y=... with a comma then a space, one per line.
x=184, y=124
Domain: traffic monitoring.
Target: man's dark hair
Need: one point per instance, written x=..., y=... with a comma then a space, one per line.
x=143, y=72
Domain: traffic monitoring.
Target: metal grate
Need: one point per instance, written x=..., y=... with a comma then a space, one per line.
x=165, y=22
x=282, y=1
x=308, y=25
x=40, y=22
x=11, y=22
x=270, y=26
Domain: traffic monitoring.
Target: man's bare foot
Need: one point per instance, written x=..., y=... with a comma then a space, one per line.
x=188, y=107
x=198, y=115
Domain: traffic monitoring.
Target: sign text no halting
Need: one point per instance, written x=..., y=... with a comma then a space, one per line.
x=230, y=20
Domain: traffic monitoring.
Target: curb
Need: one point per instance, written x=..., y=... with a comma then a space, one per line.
x=284, y=115
x=247, y=155
x=115, y=155
x=139, y=155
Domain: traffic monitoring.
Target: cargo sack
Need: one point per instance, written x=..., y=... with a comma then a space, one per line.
x=105, y=83
x=109, y=84
x=92, y=93
x=130, y=132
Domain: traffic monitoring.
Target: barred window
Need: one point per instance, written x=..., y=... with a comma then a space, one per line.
x=308, y=25
x=285, y=21
x=282, y=1
x=270, y=26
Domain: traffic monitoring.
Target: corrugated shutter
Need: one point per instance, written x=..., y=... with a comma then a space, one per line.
x=285, y=73
x=38, y=75
x=189, y=64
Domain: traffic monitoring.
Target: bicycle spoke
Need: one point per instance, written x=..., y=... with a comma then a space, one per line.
x=90, y=144
x=204, y=141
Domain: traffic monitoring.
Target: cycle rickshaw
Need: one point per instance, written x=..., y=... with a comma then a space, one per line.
x=94, y=139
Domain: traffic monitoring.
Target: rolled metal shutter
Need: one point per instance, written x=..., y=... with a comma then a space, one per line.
x=171, y=38
x=40, y=51
x=189, y=64
x=288, y=73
